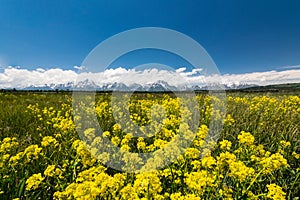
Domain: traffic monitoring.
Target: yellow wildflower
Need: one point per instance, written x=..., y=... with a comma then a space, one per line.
x=274, y=162
x=192, y=153
x=50, y=171
x=208, y=161
x=34, y=181
x=32, y=152
x=225, y=144
x=198, y=181
x=141, y=145
x=284, y=143
x=275, y=192
x=240, y=171
x=49, y=140
x=89, y=133
x=246, y=138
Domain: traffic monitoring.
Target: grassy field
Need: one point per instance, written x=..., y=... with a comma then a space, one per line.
x=256, y=156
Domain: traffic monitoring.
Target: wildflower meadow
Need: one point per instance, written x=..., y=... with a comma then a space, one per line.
x=255, y=156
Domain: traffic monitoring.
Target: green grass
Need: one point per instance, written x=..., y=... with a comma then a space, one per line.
x=270, y=120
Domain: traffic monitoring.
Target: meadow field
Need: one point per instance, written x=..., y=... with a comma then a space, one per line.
x=255, y=156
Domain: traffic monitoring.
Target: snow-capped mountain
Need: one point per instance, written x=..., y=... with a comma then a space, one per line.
x=66, y=86
x=159, y=86
x=124, y=79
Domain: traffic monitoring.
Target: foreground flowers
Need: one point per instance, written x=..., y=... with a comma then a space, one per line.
x=256, y=156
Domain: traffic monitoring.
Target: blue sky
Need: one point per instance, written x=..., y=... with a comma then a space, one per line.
x=241, y=36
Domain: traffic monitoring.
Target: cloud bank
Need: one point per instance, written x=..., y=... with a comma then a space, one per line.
x=23, y=78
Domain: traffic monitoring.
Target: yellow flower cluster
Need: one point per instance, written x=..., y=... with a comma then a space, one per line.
x=86, y=158
x=257, y=155
x=275, y=192
x=32, y=152
x=273, y=162
x=51, y=171
x=7, y=144
x=49, y=140
x=199, y=181
x=240, y=171
x=34, y=181
x=246, y=138
x=225, y=144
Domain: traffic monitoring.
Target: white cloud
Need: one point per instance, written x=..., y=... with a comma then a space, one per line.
x=79, y=67
x=12, y=77
x=264, y=78
x=21, y=78
x=290, y=67
x=181, y=69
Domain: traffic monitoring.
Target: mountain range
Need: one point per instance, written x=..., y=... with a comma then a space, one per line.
x=159, y=86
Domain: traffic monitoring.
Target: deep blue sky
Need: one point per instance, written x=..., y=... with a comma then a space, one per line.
x=241, y=36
